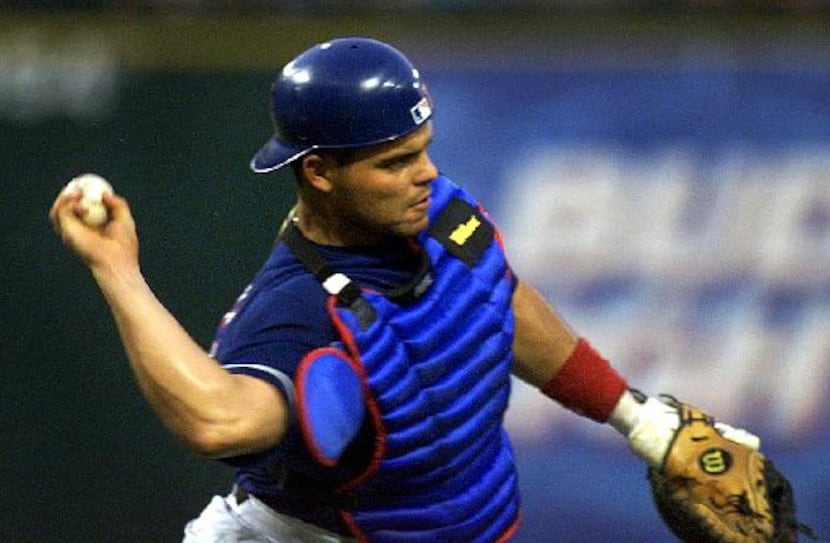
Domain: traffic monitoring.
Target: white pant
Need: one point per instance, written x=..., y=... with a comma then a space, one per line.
x=226, y=521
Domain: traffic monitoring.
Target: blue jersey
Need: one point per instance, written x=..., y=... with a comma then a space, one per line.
x=277, y=320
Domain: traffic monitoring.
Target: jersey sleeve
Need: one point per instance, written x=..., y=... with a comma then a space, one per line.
x=268, y=333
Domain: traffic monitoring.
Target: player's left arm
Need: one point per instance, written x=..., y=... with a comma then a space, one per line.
x=570, y=371
x=697, y=505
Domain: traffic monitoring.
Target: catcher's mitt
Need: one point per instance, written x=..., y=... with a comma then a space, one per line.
x=713, y=490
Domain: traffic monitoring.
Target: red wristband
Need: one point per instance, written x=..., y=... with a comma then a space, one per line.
x=586, y=384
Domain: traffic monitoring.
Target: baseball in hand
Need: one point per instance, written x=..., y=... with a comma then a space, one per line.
x=92, y=188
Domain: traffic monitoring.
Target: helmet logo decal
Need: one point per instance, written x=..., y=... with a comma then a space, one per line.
x=421, y=111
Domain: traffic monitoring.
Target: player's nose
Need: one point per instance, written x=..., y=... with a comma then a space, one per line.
x=427, y=171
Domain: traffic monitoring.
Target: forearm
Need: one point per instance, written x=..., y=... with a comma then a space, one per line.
x=563, y=366
x=543, y=341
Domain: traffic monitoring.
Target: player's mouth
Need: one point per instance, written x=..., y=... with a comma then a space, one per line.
x=422, y=204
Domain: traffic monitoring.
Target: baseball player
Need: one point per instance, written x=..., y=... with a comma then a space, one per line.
x=360, y=381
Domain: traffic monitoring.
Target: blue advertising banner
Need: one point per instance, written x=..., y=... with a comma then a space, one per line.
x=679, y=219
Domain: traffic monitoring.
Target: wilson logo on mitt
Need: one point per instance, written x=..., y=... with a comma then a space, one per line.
x=715, y=461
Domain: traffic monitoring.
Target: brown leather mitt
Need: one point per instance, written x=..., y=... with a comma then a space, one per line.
x=711, y=489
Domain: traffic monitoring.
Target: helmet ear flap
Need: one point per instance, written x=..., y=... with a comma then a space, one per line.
x=345, y=93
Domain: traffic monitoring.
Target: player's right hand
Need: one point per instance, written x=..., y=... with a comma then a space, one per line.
x=112, y=246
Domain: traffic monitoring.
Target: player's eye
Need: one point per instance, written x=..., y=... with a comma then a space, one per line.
x=399, y=162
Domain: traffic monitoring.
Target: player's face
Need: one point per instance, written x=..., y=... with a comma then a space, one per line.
x=385, y=189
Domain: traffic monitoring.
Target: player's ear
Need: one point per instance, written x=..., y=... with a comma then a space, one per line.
x=317, y=171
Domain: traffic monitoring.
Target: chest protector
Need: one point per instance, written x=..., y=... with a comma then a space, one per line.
x=432, y=371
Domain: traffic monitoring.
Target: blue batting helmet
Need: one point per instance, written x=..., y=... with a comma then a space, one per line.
x=345, y=93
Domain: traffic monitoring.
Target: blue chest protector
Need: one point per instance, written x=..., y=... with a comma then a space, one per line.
x=433, y=374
